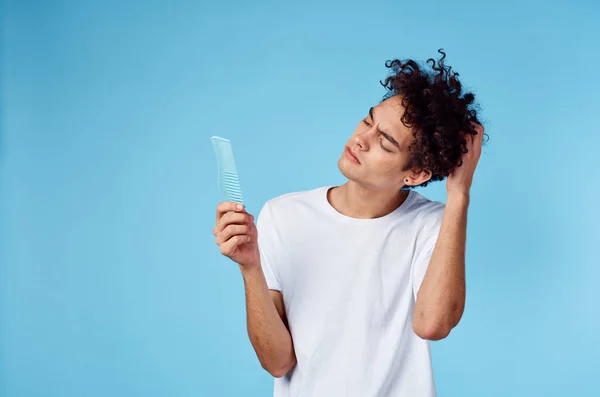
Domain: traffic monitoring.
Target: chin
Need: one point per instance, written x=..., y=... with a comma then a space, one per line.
x=342, y=166
x=347, y=171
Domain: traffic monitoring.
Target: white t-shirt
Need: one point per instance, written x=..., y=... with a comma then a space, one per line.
x=349, y=286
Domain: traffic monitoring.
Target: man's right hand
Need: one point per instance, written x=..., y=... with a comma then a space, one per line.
x=236, y=234
x=237, y=237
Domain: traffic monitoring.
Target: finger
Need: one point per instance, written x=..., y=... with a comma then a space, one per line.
x=469, y=141
x=227, y=206
x=478, y=128
x=233, y=218
x=230, y=231
x=476, y=125
x=230, y=246
x=480, y=133
x=478, y=139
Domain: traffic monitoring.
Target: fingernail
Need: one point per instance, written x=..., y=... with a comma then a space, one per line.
x=239, y=206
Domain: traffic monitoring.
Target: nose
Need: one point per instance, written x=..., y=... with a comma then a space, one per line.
x=358, y=141
x=362, y=140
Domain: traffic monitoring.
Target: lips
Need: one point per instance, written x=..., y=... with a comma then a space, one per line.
x=352, y=156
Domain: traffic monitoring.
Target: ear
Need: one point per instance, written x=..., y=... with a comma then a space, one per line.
x=415, y=178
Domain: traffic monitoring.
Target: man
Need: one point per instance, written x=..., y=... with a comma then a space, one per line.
x=346, y=285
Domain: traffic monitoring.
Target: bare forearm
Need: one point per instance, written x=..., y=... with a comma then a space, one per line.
x=268, y=334
x=441, y=297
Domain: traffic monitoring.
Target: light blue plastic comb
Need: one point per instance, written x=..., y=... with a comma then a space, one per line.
x=229, y=183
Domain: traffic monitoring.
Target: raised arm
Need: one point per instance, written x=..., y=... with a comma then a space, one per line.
x=441, y=297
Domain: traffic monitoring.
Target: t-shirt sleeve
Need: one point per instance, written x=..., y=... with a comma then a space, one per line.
x=269, y=247
x=423, y=255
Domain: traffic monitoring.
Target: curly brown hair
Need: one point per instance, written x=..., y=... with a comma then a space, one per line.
x=437, y=110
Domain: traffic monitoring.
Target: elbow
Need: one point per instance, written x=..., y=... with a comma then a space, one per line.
x=278, y=373
x=437, y=325
x=278, y=370
x=432, y=327
x=431, y=331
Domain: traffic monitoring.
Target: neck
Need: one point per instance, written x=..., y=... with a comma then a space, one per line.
x=357, y=201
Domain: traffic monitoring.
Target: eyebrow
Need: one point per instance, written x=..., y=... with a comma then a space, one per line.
x=385, y=135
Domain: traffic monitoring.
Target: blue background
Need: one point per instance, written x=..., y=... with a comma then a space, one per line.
x=110, y=281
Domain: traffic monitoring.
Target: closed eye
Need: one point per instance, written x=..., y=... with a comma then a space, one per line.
x=381, y=136
x=381, y=144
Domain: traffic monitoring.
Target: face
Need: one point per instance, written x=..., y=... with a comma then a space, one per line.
x=378, y=150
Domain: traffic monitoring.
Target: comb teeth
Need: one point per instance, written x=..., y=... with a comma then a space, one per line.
x=228, y=176
x=232, y=187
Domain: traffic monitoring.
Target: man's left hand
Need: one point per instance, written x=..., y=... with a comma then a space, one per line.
x=460, y=179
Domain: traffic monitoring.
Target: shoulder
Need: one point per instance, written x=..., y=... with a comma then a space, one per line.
x=290, y=204
x=427, y=212
x=293, y=200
